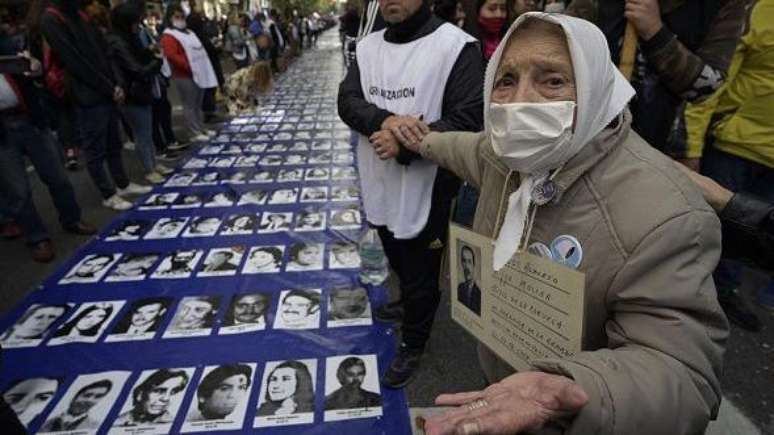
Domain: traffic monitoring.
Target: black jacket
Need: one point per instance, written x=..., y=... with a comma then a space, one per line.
x=748, y=231
x=138, y=66
x=90, y=76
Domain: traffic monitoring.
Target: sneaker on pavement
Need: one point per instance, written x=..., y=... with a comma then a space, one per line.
x=163, y=170
x=739, y=313
x=168, y=156
x=80, y=228
x=71, y=159
x=154, y=177
x=11, y=230
x=403, y=367
x=391, y=312
x=211, y=133
x=42, y=251
x=134, y=189
x=200, y=138
x=117, y=203
x=174, y=146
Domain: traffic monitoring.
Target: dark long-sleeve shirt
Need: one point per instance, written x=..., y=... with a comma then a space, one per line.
x=748, y=230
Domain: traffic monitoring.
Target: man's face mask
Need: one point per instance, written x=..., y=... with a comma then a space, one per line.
x=530, y=137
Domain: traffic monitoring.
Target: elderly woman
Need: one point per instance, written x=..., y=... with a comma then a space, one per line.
x=557, y=124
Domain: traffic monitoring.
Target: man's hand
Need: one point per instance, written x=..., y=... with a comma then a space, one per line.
x=716, y=195
x=118, y=95
x=523, y=401
x=36, y=69
x=406, y=129
x=645, y=15
x=385, y=144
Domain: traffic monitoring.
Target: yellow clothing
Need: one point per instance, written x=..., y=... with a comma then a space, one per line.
x=744, y=106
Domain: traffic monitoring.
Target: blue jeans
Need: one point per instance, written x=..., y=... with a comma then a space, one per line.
x=19, y=138
x=101, y=143
x=140, y=119
x=738, y=175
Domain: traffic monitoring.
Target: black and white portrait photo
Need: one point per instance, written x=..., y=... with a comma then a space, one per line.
x=159, y=201
x=238, y=177
x=255, y=197
x=352, y=388
x=247, y=161
x=344, y=173
x=272, y=222
x=346, y=219
x=271, y=160
x=179, y=264
x=264, y=259
x=231, y=149
x=320, y=158
x=294, y=160
x=28, y=398
x=468, y=290
x=240, y=224
x=322, y=145
x=34, y=325
x=195, y=163
x=209, y=178
x=128, y=230
x=188, y=200
x=222, y=261
x=289, y=175
x=298, y=309
x=316, y=174
x=221, y=398
x=87, y=323
x=302, y=135
x=195, y=316
x=181, y=179
x=277, y=148
x=221, y=199
x=342, y=144
x=287, y=393
x=133, y=267
x=246, y=313
x=141, y=320
x=349, y=307
x=344, y=193
x=314, y=194
x=202, y=226
x=210, y=150
x=283, y=135
x=310, y=220
x=262, y=177
x=344, y=255
x=343, y=158
x=167, y=228
x=153, y=403
x=221, y=162
x=255, y=148
x=90, y=269
x=305, y=256
x=299, y=146
x=88, y=400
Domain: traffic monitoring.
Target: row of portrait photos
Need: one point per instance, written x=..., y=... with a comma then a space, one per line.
x=194, y=316
x=287, y=394
x=283, y=196
x=267, y=176
x=319, y=158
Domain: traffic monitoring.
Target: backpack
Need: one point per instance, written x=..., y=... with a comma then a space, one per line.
x=55, y=72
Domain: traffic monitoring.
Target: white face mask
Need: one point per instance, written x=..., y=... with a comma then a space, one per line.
x=179, y=24
x=532, y=137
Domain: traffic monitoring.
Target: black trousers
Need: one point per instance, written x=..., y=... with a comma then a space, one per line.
x=163, y=134
x=417, y=262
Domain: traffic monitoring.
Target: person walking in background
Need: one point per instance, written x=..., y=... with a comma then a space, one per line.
x=198, y=24
x=236, y=39
x=192, y=71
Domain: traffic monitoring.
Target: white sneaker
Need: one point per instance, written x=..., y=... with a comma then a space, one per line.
x=134, y=189
x=174, y=146
x=117, y=203
x=163, y=170
x=129, y=145
x=211, y=133
x=200, y=138
x=155, y=178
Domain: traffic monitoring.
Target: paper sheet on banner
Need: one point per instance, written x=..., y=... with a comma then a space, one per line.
x=532, y=308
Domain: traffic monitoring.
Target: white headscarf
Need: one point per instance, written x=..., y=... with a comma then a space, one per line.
x=602, y=93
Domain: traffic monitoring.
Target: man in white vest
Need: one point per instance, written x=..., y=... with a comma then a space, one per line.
x=418, y=74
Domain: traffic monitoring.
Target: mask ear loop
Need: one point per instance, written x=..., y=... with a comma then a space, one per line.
x=533, y=212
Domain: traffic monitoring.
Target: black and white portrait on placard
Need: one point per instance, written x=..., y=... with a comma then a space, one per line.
x=128, y=230
x=231, y=149
x=320, y=158
x=209, y=178
x=283, y=196
x=287, y=393
x=179, y=264
x=221, y=199
x=272, y=222
x=195, y=163
x=352, y=387
x=283, y=136
x=247, y=312
x=255, y=197
x=141, y=320
x=298, y=309
x=210, y=150
x=346, y=219
x=344, y=158
x=341, y=145
x=310, y=220
x=468, y=290
x=90, y=269
x=28, y=398
x=317, y=174
x=299, y=146
x=305, y=256
x=345, y=193
x=321, y=145
x=166, y=228
x=314, y=194
x=34, y=325
x=189, y=200
x=88, y=400
x=256, y=148
x=222, y=261
x=238, y=177
x=133, y=267
x=240, y=224
x=221, y=398
x=294, y=160
x=264, y=259
x=153, y=403
x=271, y=160
x=349, y=307
x=87, y=323
x=181, y=179
x=344, y=255
x=262, y=177
x=159, y=201
x=344, y=173
x=289, y=175
x=195, y=316
x=247, y=161
x=221, y=162
x=202, y=226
